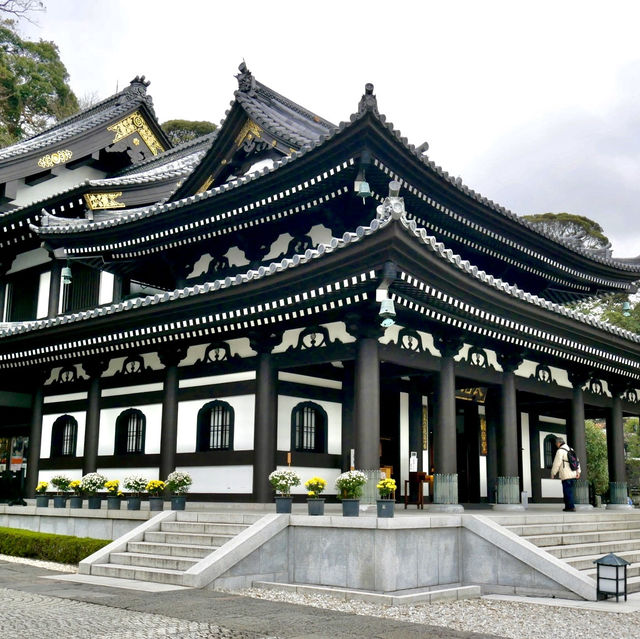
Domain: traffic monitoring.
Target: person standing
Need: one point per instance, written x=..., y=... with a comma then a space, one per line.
x=568, y=476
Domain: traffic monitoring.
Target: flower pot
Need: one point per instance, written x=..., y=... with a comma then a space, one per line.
x=113, y=503
x=42, y=501
x=178, y=502
x=157, y=503
x=94, y=502
x=350, y=507
x=283, y=505
x=316, y=506
x=385, y=507
x=133, y=503
x=59, y=501
x=75, y=501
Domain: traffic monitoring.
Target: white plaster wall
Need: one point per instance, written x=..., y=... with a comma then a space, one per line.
x=526, y=452
x=244, y=415
x=63, y=181
x=306, y=473
x=132, y=390
x=236, y=257
x=46, y=475
x=105, y=295
x=528, y=368
x=108, y=416
x=310, y=381
x=279, y=247
x=220, y=479
x=151, y=360
x=391, y=337
x=334, y=422
x=29, y=259
x=150, y=472
x=217, y=379
x=551, y=488
x=47, y=429
x=404, y=440
x=67, y=397
x=337, y=331
x=42, y=309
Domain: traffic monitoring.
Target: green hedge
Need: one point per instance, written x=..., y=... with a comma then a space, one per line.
x=62, y=549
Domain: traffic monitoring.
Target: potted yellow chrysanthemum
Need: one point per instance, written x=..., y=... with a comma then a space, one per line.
x=155, y=488
x=114, y=494
x=315, y=486
x=386, y=487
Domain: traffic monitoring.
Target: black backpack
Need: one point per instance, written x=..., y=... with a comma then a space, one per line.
x=572, y=459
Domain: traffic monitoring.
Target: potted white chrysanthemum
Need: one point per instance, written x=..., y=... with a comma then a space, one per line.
x=283, y=480
x=91, y=483
x=136, y=485
x=349, y=487
x=178, y=483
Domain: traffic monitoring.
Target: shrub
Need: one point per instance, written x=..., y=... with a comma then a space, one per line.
x=62, y=549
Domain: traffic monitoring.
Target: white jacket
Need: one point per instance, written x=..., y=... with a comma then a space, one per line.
x=561, y=465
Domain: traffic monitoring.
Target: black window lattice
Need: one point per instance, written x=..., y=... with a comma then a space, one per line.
x=215, y=426
x=309, y=426
x=130, y=432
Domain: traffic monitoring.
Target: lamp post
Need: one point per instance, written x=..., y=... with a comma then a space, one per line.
x=611, y=576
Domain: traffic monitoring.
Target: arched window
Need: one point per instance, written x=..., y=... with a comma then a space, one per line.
x=309, y=428
x=549, y=450
x=130, y=432
x=215, y=426
x=64, y=436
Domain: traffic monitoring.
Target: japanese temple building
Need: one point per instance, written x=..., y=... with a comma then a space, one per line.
x=216, y=306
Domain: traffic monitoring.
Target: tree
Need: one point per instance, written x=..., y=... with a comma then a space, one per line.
x=179, y=131
x=20, y=8
x=578, y=230
x=597, y=468
x=34, y=90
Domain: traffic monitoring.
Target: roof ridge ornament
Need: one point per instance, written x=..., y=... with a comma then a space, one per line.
x=393, y=205
x=368, y=101
x=137, y=90
x=246, y=81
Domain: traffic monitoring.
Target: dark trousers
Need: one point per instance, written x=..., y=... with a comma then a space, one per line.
x=567, y=493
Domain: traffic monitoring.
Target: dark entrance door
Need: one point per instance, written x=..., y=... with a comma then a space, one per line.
x=468, y=449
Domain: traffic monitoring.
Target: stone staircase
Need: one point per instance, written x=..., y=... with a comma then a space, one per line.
x=164, y=555
x=580, y=539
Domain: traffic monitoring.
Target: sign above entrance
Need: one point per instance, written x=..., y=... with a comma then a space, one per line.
x=478, y=395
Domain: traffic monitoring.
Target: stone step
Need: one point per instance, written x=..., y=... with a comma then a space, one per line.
x=595, y=515
x=183, y=550
x=597, y=548
x=187, y=538
x=582, y=537
x=632, y=571
x=202, y=527
x=573, y=527
x=220, y=517
x=585, y=562
x=151, y=561
x=163, y=576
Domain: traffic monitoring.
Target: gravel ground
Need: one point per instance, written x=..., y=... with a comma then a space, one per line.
x=49, y=565
x=504, y=618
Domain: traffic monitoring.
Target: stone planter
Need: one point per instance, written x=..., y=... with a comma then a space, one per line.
x=316, y=506
x=133, y=503
x=75, y=501
x=385, y=507
x=113, y=503
x=59, y=501
x=283, y=505
x=157, y=503
x=178, y=502
x=94, y=502
x=42, y=501
x=350, y=507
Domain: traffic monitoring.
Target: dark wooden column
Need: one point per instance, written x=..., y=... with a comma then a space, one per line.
x=415, y=425
x=348, y=397
x=35, y=431
x=170, y=359
x=54, y=289
x=445, y=456
x=576, y=434
x=265, y=433
x=615, y=435
x=367, y=403
x=492, y=415
x=94, y=369
x=508, y=451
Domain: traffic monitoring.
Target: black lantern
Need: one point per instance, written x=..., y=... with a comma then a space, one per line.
x=612, y=577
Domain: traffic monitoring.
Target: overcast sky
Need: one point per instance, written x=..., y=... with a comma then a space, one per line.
x=533, y=104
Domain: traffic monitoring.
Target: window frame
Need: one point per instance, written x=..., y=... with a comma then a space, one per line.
x=204, y=426
x=122, y=433
x=320, y=428
x=59, y=436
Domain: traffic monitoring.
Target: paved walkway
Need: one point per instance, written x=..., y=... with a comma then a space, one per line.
x=33, y=607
